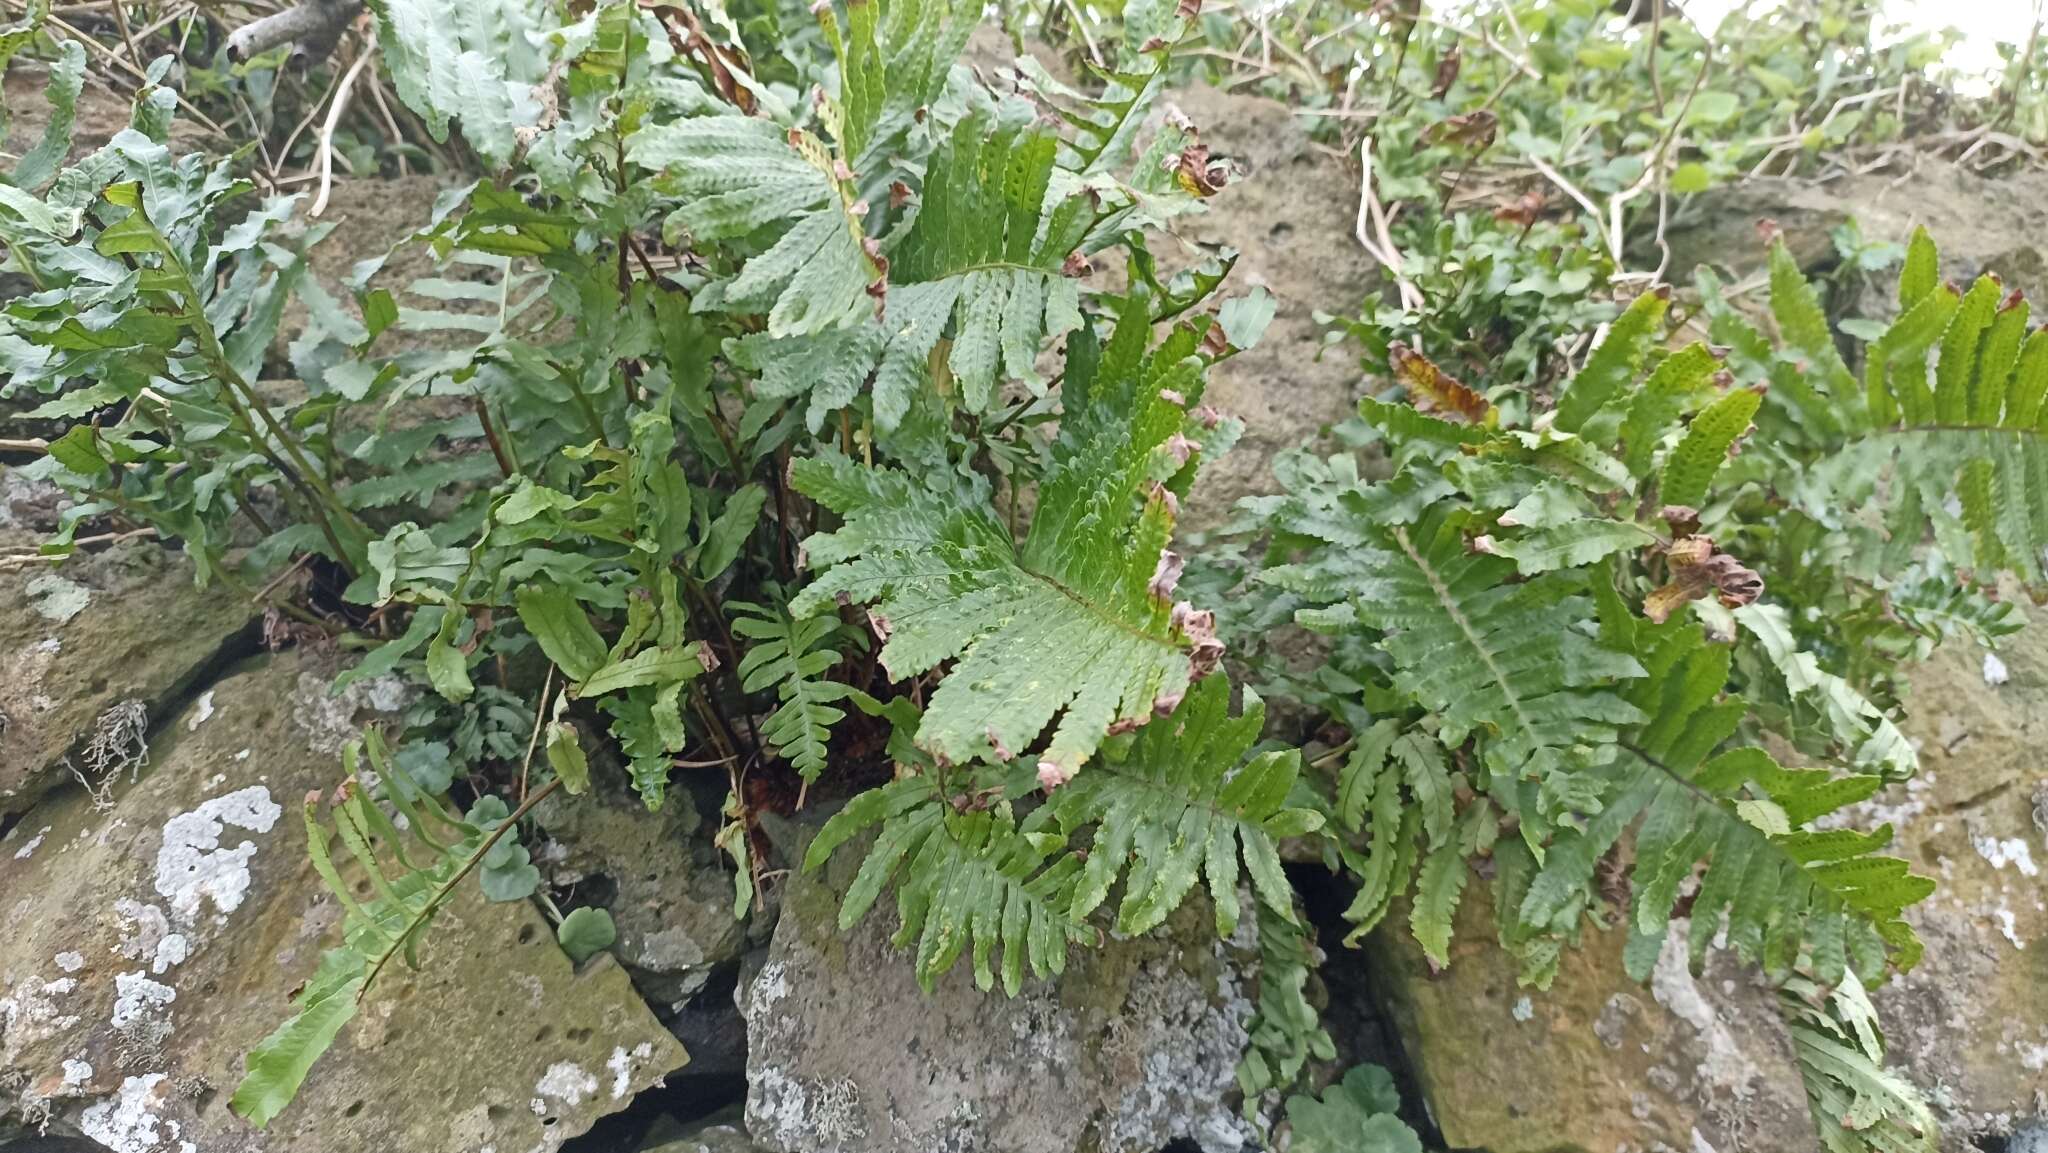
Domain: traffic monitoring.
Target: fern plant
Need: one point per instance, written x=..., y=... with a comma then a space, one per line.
x=707, y=388
x=1573, y=654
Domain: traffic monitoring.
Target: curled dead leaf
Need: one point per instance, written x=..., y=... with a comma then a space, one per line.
x=1431, y=389
x=1697, y=569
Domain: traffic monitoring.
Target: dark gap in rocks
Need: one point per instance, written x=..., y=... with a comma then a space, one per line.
x=240, y=645
x=1356, y=1016
x=7, y=823
x=710, y=1027
x=1182, y=1145
x=596, y=890
x=711, y=1030
x=1990, y=1142
x=665, y=1108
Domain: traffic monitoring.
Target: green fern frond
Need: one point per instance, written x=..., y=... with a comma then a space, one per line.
x=794, y=655
x=1076, y=627
x=472, y=63
x=1612, y=367
x=735, y=175
x=1858, y=1105
x=434, y=854
x=1781, y=884
x=1966, y=429
x=1287, y=1030
x=1485, y=652
x=969, y=878
x=894, y=57
x=1180, y=805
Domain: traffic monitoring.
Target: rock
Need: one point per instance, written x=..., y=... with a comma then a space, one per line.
x=1980, y=224
x=723, y=1132
x=1970, y=1023
x=92, y=648
x=1135, y=1047
x=669, y=893
x=711, y=1139
x=1290, y=218
x=1597, y=1063
x=145, y=947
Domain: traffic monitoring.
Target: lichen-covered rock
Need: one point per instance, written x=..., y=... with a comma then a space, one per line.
x=89, y=648
x=1597, y=1063
x=669, y=893
x=146, y=945
x=1970, y=1023
x=1134, y=1048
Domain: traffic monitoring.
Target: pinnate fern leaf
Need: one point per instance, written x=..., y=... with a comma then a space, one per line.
x=469, y=62
x=1486, y=653
x=1076, y=626
x=793, y=656
x=1781, y=884
x=411, y=873
x=967, y=880
x=1182, y=804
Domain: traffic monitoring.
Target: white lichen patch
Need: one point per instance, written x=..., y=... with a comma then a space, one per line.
x=143, y=929
x=2009, y=851
x=192, y=867
x=2008, y=926
x=141, y=1004
x=202, y=712
x=35, y=1010
x=621, y=1065
x=128, y=1122
x=1724, y=1066
x=28, y=849
x=567, y=1082
x=170, y=953
x=57, y=599
x=76, y=1073
x=771, y=984
x=70, y=962
x=1524, y=1009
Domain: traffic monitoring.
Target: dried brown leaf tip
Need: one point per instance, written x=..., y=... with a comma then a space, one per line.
x=1697, y=568
x=1447, y=68
x=1523, y=211
x=1431, y=389
x=1199, y=174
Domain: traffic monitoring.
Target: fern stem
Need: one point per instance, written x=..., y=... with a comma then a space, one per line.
x=442, y=891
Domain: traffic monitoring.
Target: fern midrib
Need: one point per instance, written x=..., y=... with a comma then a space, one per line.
x=1769, y=842
x=1205, y=802
x=984, y=266
x=1465, y=627
x=1050, y=582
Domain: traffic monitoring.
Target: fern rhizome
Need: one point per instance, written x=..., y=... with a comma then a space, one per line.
x=732, y=421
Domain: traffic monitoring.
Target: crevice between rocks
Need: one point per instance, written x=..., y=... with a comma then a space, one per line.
x=711, y=1029
x=167, y=706
x=1356, y=1015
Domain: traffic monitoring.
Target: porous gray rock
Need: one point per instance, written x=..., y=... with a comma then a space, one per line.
x=1969, y=1024
x=1134, y=1048
x=1290, y=220
x=1596, y=1062
x=147, y=943
x=670, y=892
x=88, y=647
